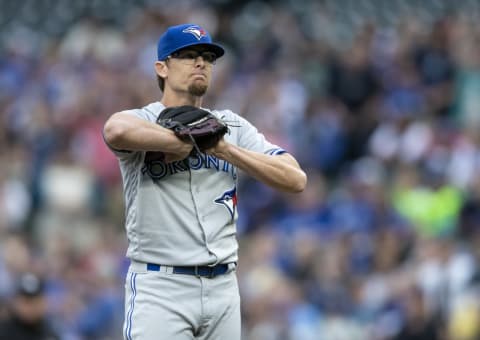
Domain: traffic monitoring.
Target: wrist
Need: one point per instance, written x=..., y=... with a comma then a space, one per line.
x=222, y=150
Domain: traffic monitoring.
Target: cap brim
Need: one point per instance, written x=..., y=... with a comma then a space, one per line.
x=215, y=48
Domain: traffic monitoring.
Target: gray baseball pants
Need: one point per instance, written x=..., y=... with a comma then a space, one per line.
x=161, y=305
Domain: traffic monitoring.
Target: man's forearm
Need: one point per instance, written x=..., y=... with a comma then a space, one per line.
x=278, y=171
x=125, y=132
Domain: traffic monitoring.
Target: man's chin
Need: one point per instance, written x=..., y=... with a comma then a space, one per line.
x=197, y=89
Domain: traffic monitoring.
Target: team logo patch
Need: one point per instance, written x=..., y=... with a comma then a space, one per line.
x=197, y=31
x=229, y=200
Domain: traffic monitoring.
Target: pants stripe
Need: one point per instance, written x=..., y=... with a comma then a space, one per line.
x=128, y=328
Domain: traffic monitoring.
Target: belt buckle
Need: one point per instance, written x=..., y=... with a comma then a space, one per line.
x=196, y=272
x=211, y=275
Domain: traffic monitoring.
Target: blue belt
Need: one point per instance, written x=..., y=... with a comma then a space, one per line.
x=205, y=271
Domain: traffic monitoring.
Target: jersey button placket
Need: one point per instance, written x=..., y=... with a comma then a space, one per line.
x=195, y=192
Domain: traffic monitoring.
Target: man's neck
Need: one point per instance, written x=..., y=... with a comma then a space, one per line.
x=172, y=100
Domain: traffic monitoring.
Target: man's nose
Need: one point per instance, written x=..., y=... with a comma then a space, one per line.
x=199, y=61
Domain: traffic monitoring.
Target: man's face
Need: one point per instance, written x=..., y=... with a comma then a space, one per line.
x=190, y=70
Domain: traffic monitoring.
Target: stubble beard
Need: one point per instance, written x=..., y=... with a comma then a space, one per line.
x=197, y=90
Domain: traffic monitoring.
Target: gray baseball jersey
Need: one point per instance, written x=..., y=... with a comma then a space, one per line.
x=184, y=213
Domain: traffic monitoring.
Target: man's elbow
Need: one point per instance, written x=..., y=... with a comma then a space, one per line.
x=114, y=133
x=300, y=182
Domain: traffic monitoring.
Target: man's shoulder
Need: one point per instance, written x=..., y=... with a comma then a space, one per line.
x=148, y=112
x=224, y=114
x=154, y=108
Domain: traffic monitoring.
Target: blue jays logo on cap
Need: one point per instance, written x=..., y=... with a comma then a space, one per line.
x=197, y=31
x=182, y=36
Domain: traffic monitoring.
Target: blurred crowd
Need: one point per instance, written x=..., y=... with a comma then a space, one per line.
x=379, y=101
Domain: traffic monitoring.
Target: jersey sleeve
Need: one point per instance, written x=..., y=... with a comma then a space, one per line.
x=251, y=139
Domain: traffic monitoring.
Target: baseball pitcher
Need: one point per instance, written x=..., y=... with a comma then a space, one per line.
x=179, y=166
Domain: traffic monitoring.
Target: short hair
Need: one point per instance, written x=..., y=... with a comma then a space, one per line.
x=161, y=82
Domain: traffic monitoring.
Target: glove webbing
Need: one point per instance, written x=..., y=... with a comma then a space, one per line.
x=173, y=124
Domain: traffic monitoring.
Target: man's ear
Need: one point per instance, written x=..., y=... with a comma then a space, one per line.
x=161, y=68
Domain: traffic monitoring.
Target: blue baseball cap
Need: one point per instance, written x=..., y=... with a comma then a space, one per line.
x=177, y=37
